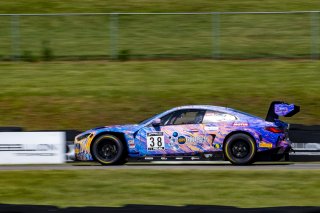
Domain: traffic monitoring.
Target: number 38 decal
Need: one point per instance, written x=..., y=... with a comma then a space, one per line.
x=155, y=141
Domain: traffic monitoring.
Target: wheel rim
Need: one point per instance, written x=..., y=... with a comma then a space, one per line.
x=107, y=150
x=240, y=149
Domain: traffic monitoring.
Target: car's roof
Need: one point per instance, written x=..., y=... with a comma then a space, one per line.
x=207, y=107
x=232, y=111
x=240, y=115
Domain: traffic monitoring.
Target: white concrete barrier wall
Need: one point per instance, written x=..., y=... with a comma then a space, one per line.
x=32, y=147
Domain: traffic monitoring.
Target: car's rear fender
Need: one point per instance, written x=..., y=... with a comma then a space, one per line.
x=264, y=140
x=251, y=134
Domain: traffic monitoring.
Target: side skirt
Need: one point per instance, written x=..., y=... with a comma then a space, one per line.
x=203, y=157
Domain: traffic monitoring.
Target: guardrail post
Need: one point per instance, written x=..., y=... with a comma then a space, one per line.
x=114, y=28
x=215, y=35
x=15, y=37
x=314, y=24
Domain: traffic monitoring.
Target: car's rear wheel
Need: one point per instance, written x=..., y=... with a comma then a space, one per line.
x=108, y=150
x=240, y=149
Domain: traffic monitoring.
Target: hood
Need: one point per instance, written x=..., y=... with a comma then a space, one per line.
x=128, y=128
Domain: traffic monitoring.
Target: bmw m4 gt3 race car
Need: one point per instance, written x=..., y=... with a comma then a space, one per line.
x=196, y=132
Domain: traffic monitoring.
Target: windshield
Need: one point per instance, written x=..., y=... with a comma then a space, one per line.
x=147, y=120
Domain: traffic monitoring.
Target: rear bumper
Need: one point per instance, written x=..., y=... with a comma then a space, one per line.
x=274, y=154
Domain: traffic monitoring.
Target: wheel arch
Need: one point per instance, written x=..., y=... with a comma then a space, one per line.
x=119, y=135
x=249, y=134
x=237, y=132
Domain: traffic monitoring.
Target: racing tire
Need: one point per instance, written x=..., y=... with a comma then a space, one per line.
x=108, y=150
x=240, y=149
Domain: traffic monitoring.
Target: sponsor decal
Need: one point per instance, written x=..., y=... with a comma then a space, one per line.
x=208, y=155
x=182, y=139
x=265, y=145
x=188, y=139
x=192, y=140
x=283, y=109
x=155, y=141
x=131, y=144
x=197, y=139
x=217, y=145
x=211, y=128
x=241, y=124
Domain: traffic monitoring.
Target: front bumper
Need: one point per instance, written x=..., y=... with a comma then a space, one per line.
x=82, y=148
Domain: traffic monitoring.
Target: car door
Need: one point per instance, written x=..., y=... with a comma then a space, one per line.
x=180, y=133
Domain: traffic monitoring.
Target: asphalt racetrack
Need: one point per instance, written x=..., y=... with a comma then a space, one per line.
x=168, y=166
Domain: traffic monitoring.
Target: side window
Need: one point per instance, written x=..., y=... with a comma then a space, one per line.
x=191, y=116
x=214, y=116
x=165, y=119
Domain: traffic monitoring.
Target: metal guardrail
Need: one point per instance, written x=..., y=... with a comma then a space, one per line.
x=216, y=35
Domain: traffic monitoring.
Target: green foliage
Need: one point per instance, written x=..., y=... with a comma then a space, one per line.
x=124, y=55
x=47, y=53
x=29, y=57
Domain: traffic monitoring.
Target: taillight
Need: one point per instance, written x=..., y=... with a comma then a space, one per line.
x=274, y=129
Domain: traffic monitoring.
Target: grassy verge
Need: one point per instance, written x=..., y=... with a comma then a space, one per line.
x=87, y=94
x=120, y=187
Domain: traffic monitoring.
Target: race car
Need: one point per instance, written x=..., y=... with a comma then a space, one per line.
x=196, y=132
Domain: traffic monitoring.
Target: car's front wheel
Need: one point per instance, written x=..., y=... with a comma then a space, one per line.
x=240, y=149
x=108, y=150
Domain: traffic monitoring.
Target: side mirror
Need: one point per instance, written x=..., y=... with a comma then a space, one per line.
x=156, y=122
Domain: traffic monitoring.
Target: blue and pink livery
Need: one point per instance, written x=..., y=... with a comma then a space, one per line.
x=192, y=133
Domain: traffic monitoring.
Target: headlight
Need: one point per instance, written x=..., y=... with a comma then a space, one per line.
x=81, y=137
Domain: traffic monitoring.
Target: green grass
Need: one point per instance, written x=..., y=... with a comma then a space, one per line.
x=82, y=95
x=160, y=187
x=43, y=6
x=157, y=36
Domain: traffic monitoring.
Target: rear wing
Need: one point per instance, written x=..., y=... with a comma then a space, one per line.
x=279, y=108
